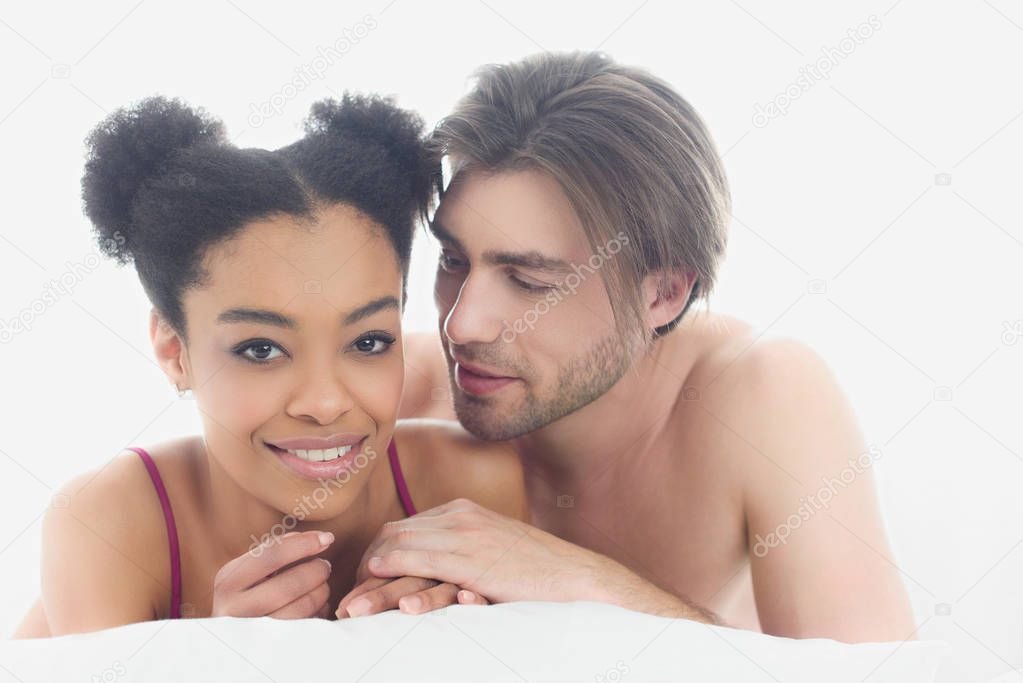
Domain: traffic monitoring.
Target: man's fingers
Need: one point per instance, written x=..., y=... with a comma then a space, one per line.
x=383, y=598
x=434, y=564
x=412, y=539
x=289, y=585
x=255, y=565
x=430, y=599
x=305, y=606
x=471, y=598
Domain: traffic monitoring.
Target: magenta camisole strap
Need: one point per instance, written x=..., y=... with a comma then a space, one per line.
x=172, y=531
x=399, y=480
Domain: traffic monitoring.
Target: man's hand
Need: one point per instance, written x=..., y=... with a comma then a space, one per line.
x=279, y=578
x=503, y=559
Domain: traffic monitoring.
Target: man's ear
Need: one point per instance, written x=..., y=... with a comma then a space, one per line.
x=169, y=349
x=665, y=294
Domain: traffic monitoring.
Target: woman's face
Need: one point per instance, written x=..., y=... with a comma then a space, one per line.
x=294, y=357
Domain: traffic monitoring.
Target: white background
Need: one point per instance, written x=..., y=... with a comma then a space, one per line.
x=895, y=181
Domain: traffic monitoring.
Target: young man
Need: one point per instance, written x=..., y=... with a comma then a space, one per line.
x=675, y=463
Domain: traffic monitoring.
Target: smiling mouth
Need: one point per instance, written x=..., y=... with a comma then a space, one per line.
x=317, y=455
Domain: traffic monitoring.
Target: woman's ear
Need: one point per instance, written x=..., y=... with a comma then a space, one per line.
x=665, y=294
x=169, y=350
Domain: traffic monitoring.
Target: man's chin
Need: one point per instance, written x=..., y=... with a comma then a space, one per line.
x=488, y=420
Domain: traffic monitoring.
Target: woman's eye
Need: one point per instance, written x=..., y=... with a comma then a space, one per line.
x=259, y=351
x=374, y=344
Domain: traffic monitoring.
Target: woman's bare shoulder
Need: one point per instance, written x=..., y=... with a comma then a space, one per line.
x=443, y=461
x=105, y=540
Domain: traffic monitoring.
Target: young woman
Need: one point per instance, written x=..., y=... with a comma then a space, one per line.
x=277, y=280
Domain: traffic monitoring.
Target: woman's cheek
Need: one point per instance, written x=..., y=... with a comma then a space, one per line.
x=377, y=389
x=241, y=399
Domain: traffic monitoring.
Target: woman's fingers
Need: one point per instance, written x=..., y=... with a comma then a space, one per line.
x=439, y=596
x=470, y=598
x=249, y=569
x=286, y=587
x=381, y=596
x=305, y=606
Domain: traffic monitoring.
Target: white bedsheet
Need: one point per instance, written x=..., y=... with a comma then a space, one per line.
x=512, y=642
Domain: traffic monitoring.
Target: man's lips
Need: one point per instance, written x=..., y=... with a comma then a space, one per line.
x=479, y=381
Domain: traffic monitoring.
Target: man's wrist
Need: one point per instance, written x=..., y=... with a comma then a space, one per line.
x=610, y=582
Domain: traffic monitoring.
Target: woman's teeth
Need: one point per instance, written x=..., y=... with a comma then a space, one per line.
x=321, y=455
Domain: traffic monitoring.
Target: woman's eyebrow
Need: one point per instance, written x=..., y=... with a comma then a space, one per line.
x=370, y=308
x=257, y=315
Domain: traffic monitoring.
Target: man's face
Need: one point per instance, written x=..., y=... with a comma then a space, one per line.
x=525, y=318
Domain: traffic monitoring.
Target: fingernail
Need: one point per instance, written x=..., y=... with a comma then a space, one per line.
x=359, y=607
x=375, y=562
x=410, y=603
x=341, y=613
x=466, y=596
x=326, y=538
x=326, y=562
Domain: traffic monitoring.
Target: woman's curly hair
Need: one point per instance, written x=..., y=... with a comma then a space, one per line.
x=162, y=183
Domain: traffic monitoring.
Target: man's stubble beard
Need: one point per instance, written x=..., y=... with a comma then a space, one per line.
x=581, y=380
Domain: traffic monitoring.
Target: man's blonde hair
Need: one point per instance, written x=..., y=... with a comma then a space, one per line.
x=630, y=153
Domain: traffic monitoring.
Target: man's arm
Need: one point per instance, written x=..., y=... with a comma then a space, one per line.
x=505, y=560
x=821, y=564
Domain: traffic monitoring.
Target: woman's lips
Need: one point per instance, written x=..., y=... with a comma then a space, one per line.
x=308, y=465
x=477, y=381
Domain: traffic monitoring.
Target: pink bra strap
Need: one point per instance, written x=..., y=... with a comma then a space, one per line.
x=172, y=531
x=399, y=480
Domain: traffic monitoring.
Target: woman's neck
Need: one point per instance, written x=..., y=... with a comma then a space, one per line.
x=241, y=520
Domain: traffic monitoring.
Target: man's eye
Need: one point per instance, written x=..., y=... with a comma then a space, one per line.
x=259, y=351
x=450, y=262
x=530, y=286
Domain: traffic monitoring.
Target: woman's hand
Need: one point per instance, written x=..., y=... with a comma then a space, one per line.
x=410, y=594
x=261, y=582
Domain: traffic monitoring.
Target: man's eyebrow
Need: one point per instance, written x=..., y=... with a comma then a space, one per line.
x=530, y=260
x=442, y=234
x=369, y=309
x=255, y=315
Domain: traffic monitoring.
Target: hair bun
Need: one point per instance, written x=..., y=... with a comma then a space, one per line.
x=378, y=119
x=131, y=146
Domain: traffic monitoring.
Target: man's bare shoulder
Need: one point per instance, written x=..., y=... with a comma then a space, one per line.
x=762, y=399
x=447, y=462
